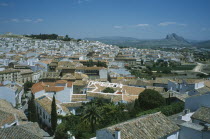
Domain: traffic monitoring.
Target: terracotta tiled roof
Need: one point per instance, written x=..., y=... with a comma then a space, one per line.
x=50, y=86
x=46, y=61
x=202, y=114
x=188, y=81
x=61, y=81
x=68, y=76
x=192, y=81
x=69, y=84
x=79, y=97
x=133, y=90
x=151, y=126
x=6, y=118
x=161, y=80
x=72, y=104
x=37, y=87
x=130, y=98
x=25, y=131
x=8, y=108
x=159, y=89
x=89, y=68
x=112, y=97
x=79, y=83
x=46, y=102
x=207, y=83
x=53, y=89
x=78, y=76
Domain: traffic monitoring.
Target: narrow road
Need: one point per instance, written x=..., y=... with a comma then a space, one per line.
x=199, y=68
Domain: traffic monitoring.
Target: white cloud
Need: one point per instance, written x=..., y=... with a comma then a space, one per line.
x=4, y=4
x=182, y=24
x=142, y=25
x=81, y=1
x=118, y=27
x=171, y=23
x=166, y=23
x=38, y=20
x=14, y=20
x=18, y=20
x=27, y=20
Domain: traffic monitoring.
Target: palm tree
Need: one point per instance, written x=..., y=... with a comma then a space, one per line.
x=111, y=113
x=91, y=115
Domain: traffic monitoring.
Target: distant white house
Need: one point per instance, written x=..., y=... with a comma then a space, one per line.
x=185, y=85
x=32, y=61
x=12, y=93
x=62, y=90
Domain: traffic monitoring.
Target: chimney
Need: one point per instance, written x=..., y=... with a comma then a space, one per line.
x=16, y=119
x=117, y=133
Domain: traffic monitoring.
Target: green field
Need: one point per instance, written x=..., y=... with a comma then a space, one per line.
x=181, y=67
x=184, y=67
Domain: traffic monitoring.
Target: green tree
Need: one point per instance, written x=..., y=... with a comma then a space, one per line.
x=108, y=90
x=112, y=114
x=136, y=104
x=32, y=113
x=53, y=115
x=142, y=62
x=101, y=64
x=150, y=99
x=90, y=63
x=61, y=132
x=27, y=86
x=91, y=115
x=29, y=110
x=166, y=70
x=79, y=40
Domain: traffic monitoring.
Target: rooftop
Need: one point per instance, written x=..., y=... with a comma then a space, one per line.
x=202, y=114
x=150, y=126
x=25, y=131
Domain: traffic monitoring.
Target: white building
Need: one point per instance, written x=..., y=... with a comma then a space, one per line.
x=185, y=85
x=195, y=102
x=62, y=90
x=198, y=127
x=122, y=93
x=43, y=107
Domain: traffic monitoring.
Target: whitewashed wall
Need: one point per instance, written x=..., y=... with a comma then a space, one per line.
x=195, y=102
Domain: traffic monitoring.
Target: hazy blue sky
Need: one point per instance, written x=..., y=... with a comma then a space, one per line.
x=142, y=19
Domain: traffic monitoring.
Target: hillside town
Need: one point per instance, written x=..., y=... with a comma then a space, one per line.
x=53, y=88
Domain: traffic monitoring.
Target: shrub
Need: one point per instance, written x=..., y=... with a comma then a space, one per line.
x=108, y=90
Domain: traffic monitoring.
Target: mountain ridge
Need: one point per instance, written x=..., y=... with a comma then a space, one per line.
x=171, y=40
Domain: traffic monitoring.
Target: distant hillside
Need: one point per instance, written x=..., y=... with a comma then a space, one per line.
x=114, y=40
x=171, y=40
x=174, y=37
x=10, y=35
x=203, y=44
